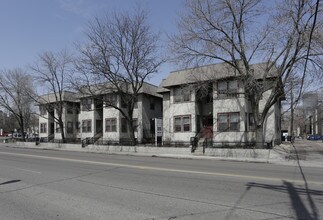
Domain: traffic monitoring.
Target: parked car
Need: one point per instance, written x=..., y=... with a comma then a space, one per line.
x=314, y=137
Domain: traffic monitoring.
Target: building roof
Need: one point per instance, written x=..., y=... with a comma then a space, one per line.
x=207, y=73
x=66, y=96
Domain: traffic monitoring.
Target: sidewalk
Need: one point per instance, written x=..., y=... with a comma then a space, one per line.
x=283, y=154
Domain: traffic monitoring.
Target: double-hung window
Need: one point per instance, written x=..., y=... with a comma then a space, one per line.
x=110, y=124
x=182, y=95
x=86, y=126
x=228, y=121
x=43, y=127
x=86, y=104
x=227, y=88
x=182, y=123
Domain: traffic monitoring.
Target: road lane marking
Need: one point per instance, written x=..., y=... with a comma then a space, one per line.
x=162, y=169
x=31, y=171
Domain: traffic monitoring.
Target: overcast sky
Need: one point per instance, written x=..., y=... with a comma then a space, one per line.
x=29, y=27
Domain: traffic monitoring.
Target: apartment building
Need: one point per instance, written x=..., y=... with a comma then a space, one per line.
x=209, y=102
x=88, y=116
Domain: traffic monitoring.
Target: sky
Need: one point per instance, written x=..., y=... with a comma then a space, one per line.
x=30, y=27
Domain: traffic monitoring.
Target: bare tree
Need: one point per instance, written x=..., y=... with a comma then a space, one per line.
x=52, y=71
x=234, y=32
x=14, y=87
x=119, y=55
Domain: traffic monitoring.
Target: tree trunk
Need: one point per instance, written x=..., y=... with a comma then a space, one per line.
x=61, y=124
x=131, y=133
x=22, y=128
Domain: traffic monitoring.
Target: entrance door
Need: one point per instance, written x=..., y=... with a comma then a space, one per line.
x=207, y=122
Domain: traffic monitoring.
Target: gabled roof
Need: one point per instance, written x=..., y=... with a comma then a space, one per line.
x=207, y=73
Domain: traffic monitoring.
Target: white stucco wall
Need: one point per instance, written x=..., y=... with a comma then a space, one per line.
x=172, y=109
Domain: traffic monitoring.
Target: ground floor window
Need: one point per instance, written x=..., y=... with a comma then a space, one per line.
x=182, y=123
x=86, y=126
x=110, y=124
x=43, y=127
x=228, y=121
x=124, y=127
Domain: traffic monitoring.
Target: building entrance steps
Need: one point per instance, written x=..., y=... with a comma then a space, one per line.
x=199, y=149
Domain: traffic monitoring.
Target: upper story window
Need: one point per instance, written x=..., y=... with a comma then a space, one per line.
x=86, y=104
x=228, y=88
x=69, y=108
x=42, y=110
x=182, y=95
x=110, y=100
x=124, y=103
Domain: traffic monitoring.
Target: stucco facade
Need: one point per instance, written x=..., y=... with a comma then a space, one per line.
x=226, y=118
x=92, y=118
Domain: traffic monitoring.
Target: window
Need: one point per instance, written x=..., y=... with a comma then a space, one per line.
x=86, y=104
x=86, y=126
x=227, y=88
x=124, y=125
x=252, y=124
x=43, y=127
x=182, y=95
x=110, y=124
x=228, y=121
x=69, y=108
x=42, y=110
x=110, y=100
x=182, y=123
x=58, y=128
x=124, y=103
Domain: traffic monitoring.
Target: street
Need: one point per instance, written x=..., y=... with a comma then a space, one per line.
x=44, y=184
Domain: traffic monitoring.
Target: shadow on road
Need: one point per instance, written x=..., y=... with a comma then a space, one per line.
x=9, y=182
x=295, y=193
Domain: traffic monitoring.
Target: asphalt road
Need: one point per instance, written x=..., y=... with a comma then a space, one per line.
x=43, y=184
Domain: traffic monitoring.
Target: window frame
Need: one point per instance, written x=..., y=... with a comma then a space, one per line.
x=43, y=128
x=87, y=126
x=111, y=125
x=228, y=123
x=86, y=104
x=181, y=127
x=227, y=92
x=181, y=94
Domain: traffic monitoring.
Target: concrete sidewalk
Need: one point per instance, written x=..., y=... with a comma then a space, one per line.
x=285, y=154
